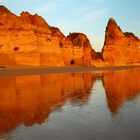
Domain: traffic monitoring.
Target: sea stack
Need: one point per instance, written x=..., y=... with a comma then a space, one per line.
x=120, y=48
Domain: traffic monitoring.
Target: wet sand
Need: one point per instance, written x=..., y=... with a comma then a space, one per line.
x=35, y=70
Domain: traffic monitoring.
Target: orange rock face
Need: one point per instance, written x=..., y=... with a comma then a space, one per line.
x=120, y=48
x=28, y=40
x=65, y=44
x=82, y=50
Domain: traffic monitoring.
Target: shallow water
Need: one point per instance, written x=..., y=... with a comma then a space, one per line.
x=73, y=106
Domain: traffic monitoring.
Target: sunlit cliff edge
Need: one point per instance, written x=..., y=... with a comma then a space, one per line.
x=29, y=40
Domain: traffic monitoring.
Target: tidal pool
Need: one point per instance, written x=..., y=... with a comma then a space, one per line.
x=76, y=106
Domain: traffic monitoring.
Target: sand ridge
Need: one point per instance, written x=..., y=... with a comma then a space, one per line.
x=42, y=70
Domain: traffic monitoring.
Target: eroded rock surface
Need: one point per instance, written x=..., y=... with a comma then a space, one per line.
x=120, y=48
x=82, y=50
x=28, y=40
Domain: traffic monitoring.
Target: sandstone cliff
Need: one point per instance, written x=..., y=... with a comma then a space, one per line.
x=120, y=48
x=82, y=50
x=28, y=40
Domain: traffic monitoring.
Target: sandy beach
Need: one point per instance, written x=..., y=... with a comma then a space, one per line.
x=35, y=70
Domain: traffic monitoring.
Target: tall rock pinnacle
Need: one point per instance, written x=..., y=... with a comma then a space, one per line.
x=120, y=48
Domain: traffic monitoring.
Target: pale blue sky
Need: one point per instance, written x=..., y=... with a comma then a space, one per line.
x=87, y=16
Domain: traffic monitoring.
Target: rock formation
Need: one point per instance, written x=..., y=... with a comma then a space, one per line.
x=120, y=48
x=82, y=50
x=28, y=40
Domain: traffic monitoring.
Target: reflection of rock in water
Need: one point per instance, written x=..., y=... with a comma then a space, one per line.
x=30, y=99
x=120, y=86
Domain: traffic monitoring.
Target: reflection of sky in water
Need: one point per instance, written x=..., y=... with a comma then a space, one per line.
x=71, y=106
